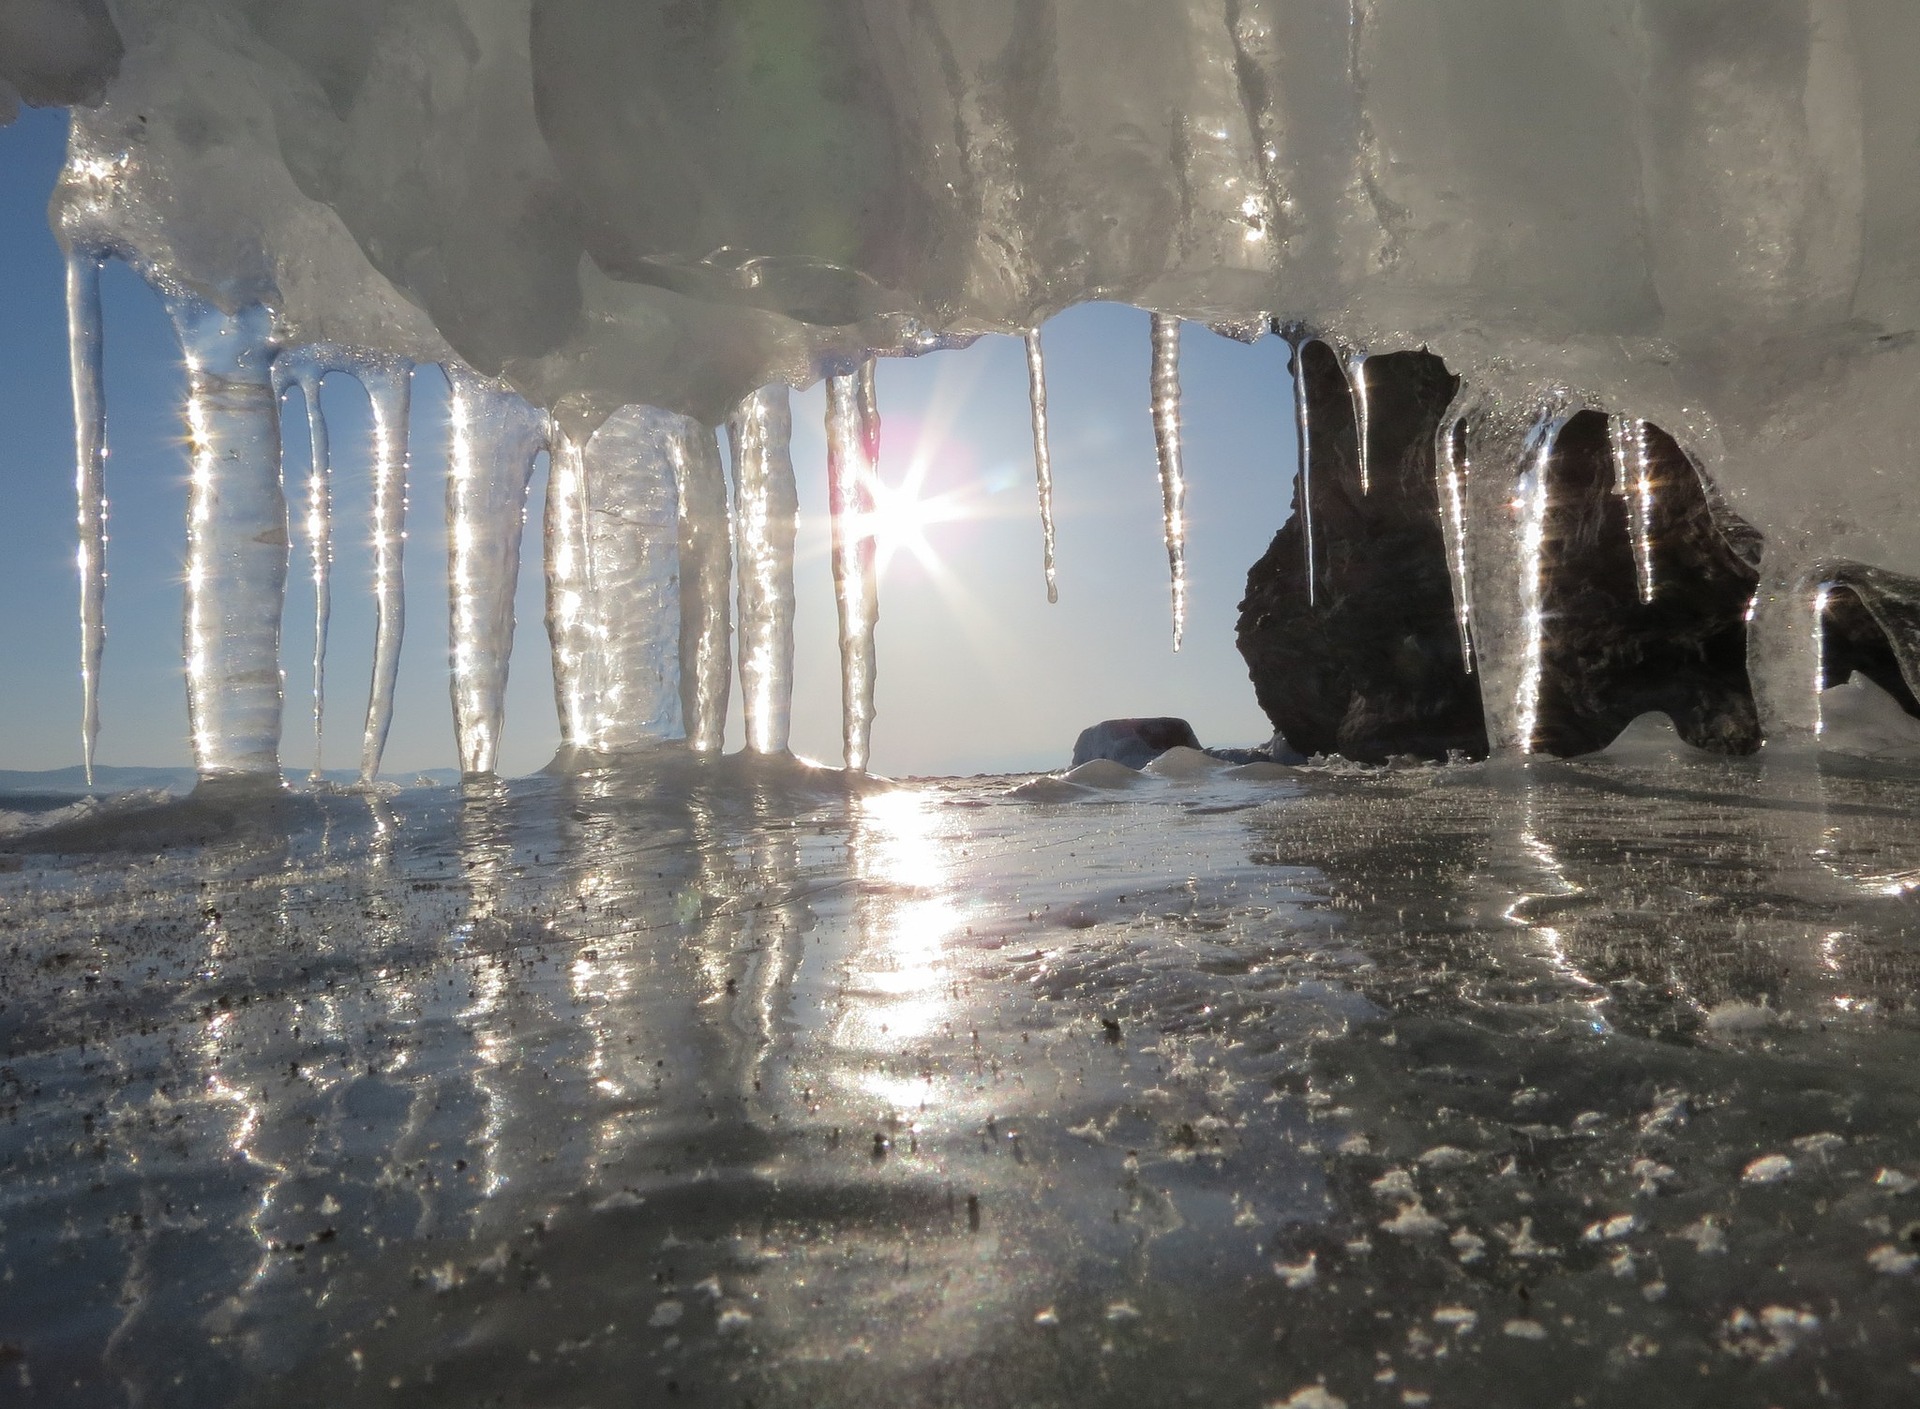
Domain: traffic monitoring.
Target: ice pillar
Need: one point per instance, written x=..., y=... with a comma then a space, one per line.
x=706, y=573
x=570, y=627
x=1042, y=454
x=236, y=539
x=852, y=438
x=90, y=455
x=766, y=509
x=389, y=387
x=1783, y=649
x=1303, y=448
x=305, y=369
x=496, y=437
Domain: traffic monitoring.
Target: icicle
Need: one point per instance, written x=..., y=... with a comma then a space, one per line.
x=1042, y=454
x=1356, y=365
x=1173, y=479
x=389, y=387
x=570, y=627
x=631, y=535
x=1454, y=468
x=90, y=455
x=304, y=368
x=850, y=472
x=1530, y=501
x=706, y=570
x=1784, y=655
x=1633, y=482
x=1303, y=429
x=236, y=539
x=766, y=509
x=496, y=437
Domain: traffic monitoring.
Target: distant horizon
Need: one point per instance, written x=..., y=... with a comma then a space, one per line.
x=977, y=673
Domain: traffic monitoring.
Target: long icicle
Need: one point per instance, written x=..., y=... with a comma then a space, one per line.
x=1173, y=478
x=850, y=501
x=389, y=388
x=1452, y=464
x=766, y=509
x=570, y=625
x=1633, y=482
x=1362, y=414
x=304, y=368
x=1531, y=499
x=706, y=572
x=1303, y=432
x=90, y=485
x=495, y=437
x=1042, y=454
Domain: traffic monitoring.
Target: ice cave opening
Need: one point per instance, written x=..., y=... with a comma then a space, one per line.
x=1530, y=1021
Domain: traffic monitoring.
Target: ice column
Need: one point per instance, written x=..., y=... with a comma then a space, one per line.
x=1042, y=454
x=1783, y=649
x=570, y=627
x=766, y=509
x=706, y=572
x=389, y=387
x=1173, y=478
x=496, y=437
x=236, y=539
x=1627, y=439
x=305, y=368
x=1303, y=430
x=631, y=524
x=90, y=456
x=850, y=470
x=1356, y=364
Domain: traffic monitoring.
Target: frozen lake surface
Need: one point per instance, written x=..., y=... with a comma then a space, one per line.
x=1591, y=1083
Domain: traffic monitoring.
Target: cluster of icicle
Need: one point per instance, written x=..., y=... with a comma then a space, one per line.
x=642, y=543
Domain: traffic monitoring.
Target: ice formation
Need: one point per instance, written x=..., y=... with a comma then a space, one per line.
x=1689, y=215
x=1173, y=475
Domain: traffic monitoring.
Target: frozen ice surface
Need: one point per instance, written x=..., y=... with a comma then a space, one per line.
x=716, y=1080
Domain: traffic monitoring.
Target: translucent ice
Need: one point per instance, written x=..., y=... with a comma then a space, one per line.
x=1173, y=475
x=766, y=509
x=90, y=458
x=851, y=440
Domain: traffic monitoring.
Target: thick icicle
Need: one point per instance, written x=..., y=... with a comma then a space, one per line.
x=850, y=472
x=1356, y=364
x=706, y=572
x=766, y=507
x=1453, y=465
x=304, y=368
x=1303, y=432
x=1173, y=477
x=236, y=539
x=570, y=626
x=496, y=437
x=1042, y=454
x=389, y=387
x=631, y=530
x=90, y=455
x=1530, y=502
x=1627, y=438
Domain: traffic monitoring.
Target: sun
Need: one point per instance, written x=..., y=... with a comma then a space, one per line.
x=903, y=512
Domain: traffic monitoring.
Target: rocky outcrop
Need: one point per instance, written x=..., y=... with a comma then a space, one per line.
x=1134, y=742
x=1372, y=667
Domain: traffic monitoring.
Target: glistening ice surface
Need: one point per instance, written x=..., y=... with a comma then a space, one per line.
x=1583, y=1082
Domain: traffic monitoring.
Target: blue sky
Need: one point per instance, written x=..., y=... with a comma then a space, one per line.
x=976, y=671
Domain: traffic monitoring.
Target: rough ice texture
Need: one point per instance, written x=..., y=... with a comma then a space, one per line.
x=1692, y=214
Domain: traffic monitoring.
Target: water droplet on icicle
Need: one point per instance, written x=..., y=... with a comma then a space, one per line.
x=766, y=508
x=1173, y=480
x=495, y=437
x=90, y=486
x=1042, y=454
x=1633, y=482
x=852, y=434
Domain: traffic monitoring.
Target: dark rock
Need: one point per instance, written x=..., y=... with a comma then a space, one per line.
x=1134, y=742
x=1607, y=657
x=1373, y=667
x=1871, y=624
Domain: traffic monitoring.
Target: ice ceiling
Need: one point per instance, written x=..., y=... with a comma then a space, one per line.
x=1704, y=213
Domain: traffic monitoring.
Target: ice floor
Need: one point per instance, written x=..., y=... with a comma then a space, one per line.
x=1589, y=1084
